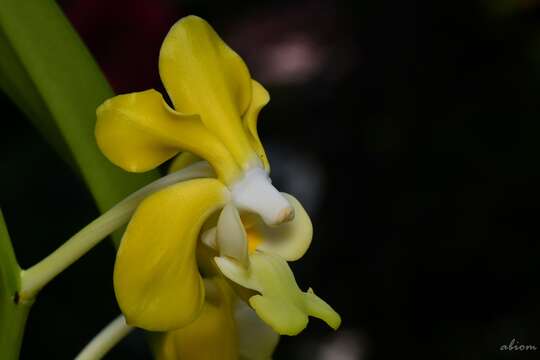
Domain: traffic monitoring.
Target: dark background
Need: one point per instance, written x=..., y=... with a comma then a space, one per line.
x=408, y=129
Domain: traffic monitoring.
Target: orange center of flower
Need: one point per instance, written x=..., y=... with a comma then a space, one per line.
x=254, y=237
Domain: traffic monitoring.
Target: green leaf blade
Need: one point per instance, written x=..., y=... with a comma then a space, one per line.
x=58, y=81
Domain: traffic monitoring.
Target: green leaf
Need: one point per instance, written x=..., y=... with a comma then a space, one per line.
x=12, y=314
x=48, y=72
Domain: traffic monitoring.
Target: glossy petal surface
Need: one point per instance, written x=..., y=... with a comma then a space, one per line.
x=156, y=280
x=138, y=131
x=204, y=76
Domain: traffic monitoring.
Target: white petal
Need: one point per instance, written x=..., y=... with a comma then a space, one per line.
x=231, y=235
x=255, y=193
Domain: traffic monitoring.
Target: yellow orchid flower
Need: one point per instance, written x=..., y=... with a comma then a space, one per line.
x=256, y=228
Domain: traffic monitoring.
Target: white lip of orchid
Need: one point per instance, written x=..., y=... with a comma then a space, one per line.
x=255, y=193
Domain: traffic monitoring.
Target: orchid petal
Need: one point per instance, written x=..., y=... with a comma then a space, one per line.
x=289, y=240
x=139, y=131
x=211, y=336
x=259, y=99
x=231, y=236
x=156, y=280
x=281, y=304
x=183, y=160
x=204, y=76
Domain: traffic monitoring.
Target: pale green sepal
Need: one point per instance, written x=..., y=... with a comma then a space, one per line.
x=318, y=308
x=281, y=303
x=284, y=317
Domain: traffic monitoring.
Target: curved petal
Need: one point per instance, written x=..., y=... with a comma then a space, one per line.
x=204, y=76
x=256, y=340
x=281, y=304
x=231, y=236
x=183, y=160
x=156, y=280
x=139, y=131
x=259, y=99
x=289, y=240
x=211, y=336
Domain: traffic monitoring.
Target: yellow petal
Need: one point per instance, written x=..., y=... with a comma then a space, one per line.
x=205, y=261
x=259, y=99
x=281, y=304
x=254, y=239
x=204, y=76
x=156, y=280
x=211, y=336
x=289, y=240
x=139, y=131
x=183, y=160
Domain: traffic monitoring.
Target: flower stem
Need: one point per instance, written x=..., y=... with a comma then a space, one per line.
x=37, y=276
x=105, y=340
